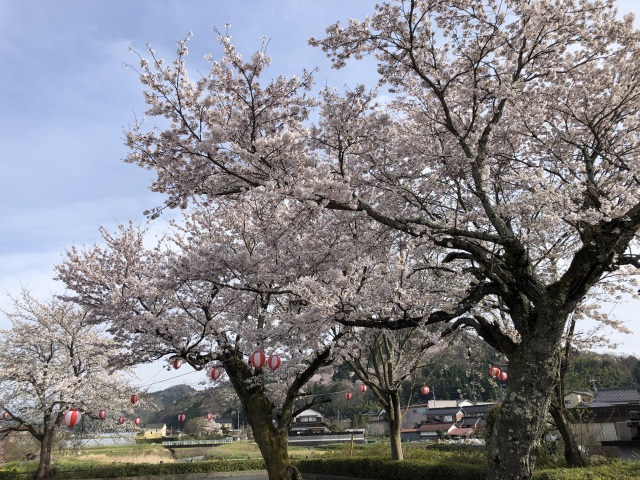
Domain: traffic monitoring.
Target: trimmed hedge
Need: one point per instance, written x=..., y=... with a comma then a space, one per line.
x=616, y=470
x=379, y=469
x=144, y=469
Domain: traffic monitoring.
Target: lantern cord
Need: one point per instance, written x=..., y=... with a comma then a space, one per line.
x=147, y=385
x=324, y=394
x=152, y=377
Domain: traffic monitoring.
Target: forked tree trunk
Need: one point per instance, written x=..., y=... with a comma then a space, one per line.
x=394, y=418
x=533, y=371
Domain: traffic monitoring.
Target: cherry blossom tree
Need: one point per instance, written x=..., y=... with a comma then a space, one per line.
x=216, y=289
x=259, y=273
x=510, y=141
x=53, y=360
x=388, y=359
x=398, y=280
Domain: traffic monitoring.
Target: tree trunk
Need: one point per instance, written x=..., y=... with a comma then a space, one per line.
x=394, y=417
x=44, y=467
x=533, y=373
x=273, y=445
x=272, y=441
x=572, y=453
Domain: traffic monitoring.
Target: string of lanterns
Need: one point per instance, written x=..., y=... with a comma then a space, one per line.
x=258, y=359
x=496, y=373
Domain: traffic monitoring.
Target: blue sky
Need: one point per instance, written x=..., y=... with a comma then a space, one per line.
x=65, y=97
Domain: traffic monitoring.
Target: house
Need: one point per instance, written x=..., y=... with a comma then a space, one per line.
x=437, y=423
x=226, y=424
x=308, y=421
x=466, y=428
x=573, y=398
x=155, y=430
x=606, y=418
x=452, y=422
x=414, y=415
x=595, y=424
x=378, y=427
x=417, y=414
x=616, y=396
x=477, y=411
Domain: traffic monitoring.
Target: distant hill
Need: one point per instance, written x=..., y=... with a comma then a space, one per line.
x=463, y=373
x=607, y=370
x=186, y=399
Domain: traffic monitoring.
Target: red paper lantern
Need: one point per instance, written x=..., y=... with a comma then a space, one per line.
x=102, y=414
x=363, y=388
x=258, y=358
x=494, y=371
x=215, y=373
x=209, y=416
x=72, y=417
x=348, y=395
x=274, y=362
x=134, y=399
x=177, y=363
x=121, y=420
x=503, y=376
x=181, y=417
x=137, y=421
x=5, y=415
x=425, y=390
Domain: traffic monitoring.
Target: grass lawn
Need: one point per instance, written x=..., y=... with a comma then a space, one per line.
x=419, y=455
x=151, y=453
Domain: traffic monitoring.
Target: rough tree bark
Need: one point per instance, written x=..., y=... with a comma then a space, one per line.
x=272, y=441
x=394, y=417
x=572, y=454
x=532, y=374
x=270, y=426
x=45, y=437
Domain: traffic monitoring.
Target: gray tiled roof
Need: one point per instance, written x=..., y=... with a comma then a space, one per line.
x=617, y=395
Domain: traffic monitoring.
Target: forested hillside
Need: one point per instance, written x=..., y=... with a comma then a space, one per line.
x=607, y=370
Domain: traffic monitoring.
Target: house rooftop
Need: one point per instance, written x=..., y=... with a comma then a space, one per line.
x=580, y=392
x=434, y=427
x=309, y=413
x=477, y=409
x=434, y=412
x=461, y=432
x=155, y=426
x=616, y=395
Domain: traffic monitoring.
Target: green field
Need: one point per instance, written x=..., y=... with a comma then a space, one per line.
x=141, y=453
x=439, y=462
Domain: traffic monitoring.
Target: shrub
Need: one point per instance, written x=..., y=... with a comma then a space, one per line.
x=143, y=469
x=379, y=469
x=450, y=465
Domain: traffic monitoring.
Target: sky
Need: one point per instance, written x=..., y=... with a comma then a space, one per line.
x=66, y=95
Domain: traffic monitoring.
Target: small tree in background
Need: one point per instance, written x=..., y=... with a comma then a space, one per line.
x=52, y=360
x=384, y=362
